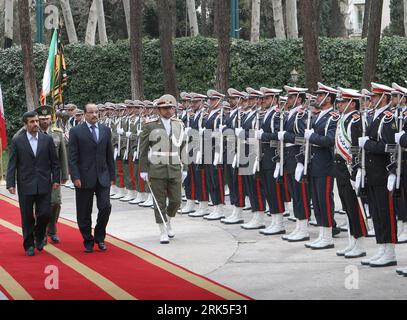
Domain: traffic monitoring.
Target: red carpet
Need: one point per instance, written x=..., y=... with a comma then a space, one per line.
x=124, y=272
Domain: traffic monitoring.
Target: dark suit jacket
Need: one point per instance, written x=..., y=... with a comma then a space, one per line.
x=90, y=161
x=35, y=174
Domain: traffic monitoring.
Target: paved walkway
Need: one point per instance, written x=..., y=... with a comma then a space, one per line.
x=261, y=267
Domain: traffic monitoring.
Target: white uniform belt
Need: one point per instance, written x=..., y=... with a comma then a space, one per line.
x=288, y=145
x=165, y=154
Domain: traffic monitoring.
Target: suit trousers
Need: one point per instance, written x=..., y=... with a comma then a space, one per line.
x=323, y=200
x=189, y=183
x=273, y=192
x=254, y=188
x=300, y=197
x=34, y=228
x=84, y=206
x=214, y=176
x=232, y=184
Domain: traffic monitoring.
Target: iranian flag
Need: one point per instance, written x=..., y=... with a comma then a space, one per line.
x=3, y=129
x=48, y=79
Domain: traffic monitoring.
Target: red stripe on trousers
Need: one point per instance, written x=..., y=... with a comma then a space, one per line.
x=392, y=219
x=328, y=201
x=259, y=197
x=362, y=221
x=133, y=182
x=204, y=196
x=287, y=194
x=222, y=196
x=280, y=205
x=142, y=188
x=193, y=197
x=304, y=200
x=120, y=168
x=240, y=190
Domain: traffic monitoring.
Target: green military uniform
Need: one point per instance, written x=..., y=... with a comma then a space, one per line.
x=164, y=167
x=125, y=153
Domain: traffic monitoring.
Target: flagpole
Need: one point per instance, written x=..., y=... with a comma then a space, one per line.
x=2, y=181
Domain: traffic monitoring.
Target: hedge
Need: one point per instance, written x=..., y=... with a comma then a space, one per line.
x=101, y=73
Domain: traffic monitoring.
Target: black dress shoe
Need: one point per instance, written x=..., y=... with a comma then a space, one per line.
x=102, y=246
x=55, y=238
x=89, y=247
x=40, y=245
x=336, y=231
x=30, y=252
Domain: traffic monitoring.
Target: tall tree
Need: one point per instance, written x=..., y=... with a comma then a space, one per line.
x=167, y=51
x=193, y=20
x=278, y=19
x=255, y=25
x=366, y=18
x=101, y=21
x=291, y=19
x=92, y=25
x=405, y=17
x=337, y=27
x=27, y=50
x=126, y=6
x=222, y=30
x=136, y=47
x=373, y=42
x=8, y=23
x=204, y=17
x=311, y=49
x=69, y=24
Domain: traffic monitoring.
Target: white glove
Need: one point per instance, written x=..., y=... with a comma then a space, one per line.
x=281, y=135
x=259, y=134
x=276, y=174
x=391, y=182
x=139, y=132
x=398, y=136
x=221, y=128
x=358, y=180
x=199, y=157
x=120, y=131
x=362, y=141
x=128, y=134
x=216, y=159
x=144, y=176
x=299, y=172
x=201, y=131
x=308, y=133
x=184, y=175
x=238, y=132
x=188, y=130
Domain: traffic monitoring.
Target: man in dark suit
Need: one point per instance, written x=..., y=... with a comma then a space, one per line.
x=92, y=170
x=33, y=158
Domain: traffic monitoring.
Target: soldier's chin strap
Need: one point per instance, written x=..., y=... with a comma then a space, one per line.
x=379, y=102
x=323, y=101
x=348, y=105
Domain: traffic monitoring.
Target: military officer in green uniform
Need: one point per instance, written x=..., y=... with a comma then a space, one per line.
x=45, y=117
x=163, y=137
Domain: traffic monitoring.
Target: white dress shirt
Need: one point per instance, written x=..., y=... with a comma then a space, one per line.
x=167, y=125
x=379, y=111
x=323, y=113
x=33, y=140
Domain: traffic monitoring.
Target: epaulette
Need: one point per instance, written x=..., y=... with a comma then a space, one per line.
x=335, y=116
x=388, y=114
x=405, y=113
x=356, y=116
x=57, y=130
x=176, y=119
x=151, y=120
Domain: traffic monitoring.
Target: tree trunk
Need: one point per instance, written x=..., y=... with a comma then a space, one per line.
x=291, y=18
x=136, y=48
x=92, y=24
x=101, y=22
x=8, y=23
x=222, y=29
x=126, y=6
x=337, y=27
x=172, y=5
x=366, y=19
x=373, y=42
x=204, y=20
x=405, y=18
x=310, y=38
x=167, y=51
x=193, y=20
x=255, y=25
x=278, y=19
x=27, y=51
x=70, y=26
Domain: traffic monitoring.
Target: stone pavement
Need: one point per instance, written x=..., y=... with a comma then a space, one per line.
x=261, y=267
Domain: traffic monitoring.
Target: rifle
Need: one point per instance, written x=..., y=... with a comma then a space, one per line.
x=221, y=135
x=361, y=192
x=256, y=167
x=307, y=145
x=236, y=161
x=281, y=144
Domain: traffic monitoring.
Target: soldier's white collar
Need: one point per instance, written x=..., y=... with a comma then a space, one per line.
x=379, y=111
x=323, y=113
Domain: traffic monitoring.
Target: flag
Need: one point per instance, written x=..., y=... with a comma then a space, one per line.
x=48, y=79
x=3, y=129
x=60, y=78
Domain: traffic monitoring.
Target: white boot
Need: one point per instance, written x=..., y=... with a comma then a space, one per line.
x=248, y=206
x=127, y=197
x=227, y=192
x=189, y=207
x=388, y=259
x=163, y=234
x=170, y=232
x=271, y=226
x=113, y=189
x=256, y=223
x=377, y=256
x=148, y=203
x=351, y=245
x=235, y=218
x=403, y=234
x=203, y=210
x=308, y=245
x=292, y=217
x=216, y=214
x=278, y=227
x=326, y=241
x=139, y=198
x=120, y=194
x=401, y=271
x=297, y=228
x=358, y=250
x=302, y=234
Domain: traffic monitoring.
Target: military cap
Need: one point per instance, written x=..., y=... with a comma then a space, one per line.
x=44, y=111
x=129, y=103
x=233, y=93
x=366, y=94
x=380, y=89
x=70, y=106
x=254, y=93
x=197, y=97
x=109, y=106
x=325, y=89
x=79, y=112
x=165, y=101
x=226, y=105
x=138, y=104
x=185, y=96
x=398, y=89
x=349, y=94
x=270, y=92
x=213, y=95
x=148, y=104
x=295, y=90
x=120, y=106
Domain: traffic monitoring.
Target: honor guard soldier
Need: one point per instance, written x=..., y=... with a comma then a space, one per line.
x=70, y=110
x=45, y=121
x=348, y=132
x=185, y=103
x=236, y=187
x=268, y=135
x=164, y=171
x=380, y=132
x=321, y=137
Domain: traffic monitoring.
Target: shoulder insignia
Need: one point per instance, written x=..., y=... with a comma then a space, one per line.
x=334, y=114
x=388, y=114
x=151, y=120
x=405, y=113
x=176, y=119
x=356, y=116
